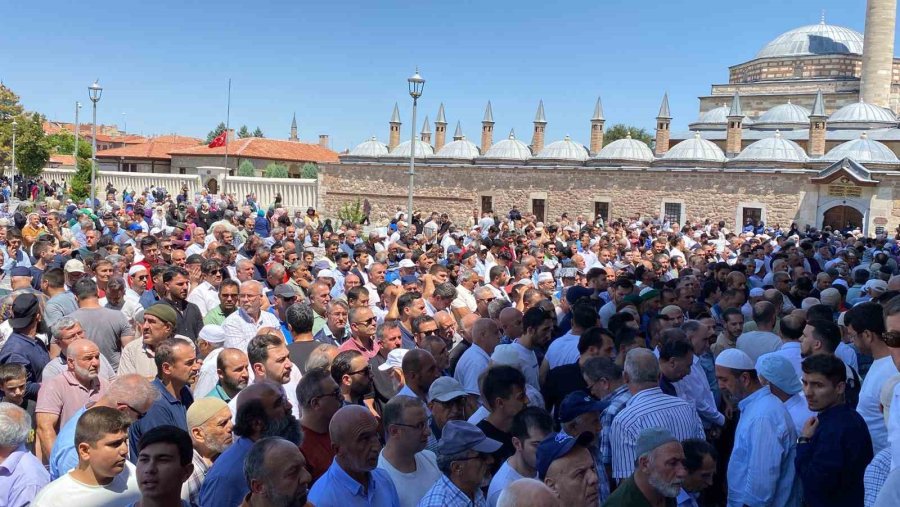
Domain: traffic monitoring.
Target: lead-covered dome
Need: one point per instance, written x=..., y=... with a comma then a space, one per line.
x=423, y=150
x=696, y=149
x=784, y=116
x=716, y=119
x=372, y=148
x=627, y=149
x=773, y=149
x=862, y=150
x=567, y=149
x=818, y=39
x=510, y=149
x=862, y=115
x=461, y=149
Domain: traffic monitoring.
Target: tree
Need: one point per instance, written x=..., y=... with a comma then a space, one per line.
x=244, y=132
x=80, y=188
x=32, y=152
x=246, y=169
x=309, y=171
x=215, y=132
x=620, y=131
x=10, y=109
x=63, y=143
x=258, y=133
x=275, y=171
x=352, y=212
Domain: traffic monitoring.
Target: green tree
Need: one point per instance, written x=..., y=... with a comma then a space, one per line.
x=10, y=109
x=215, y=132
x=309, y=171
x=275, y=171
x=352, y=212
x=243, y=132
x=246, y=169
x=63, y=143
x=32, y=152
x=258, y=133
x=80, y=187
x=621, y=131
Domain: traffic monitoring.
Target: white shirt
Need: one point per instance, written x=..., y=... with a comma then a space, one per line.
x=411, y=487
x=563, y=350
x=757, y=343
x=464, y=299
x=194, y=248
x=846, y=354
x=470, y=366
x=205, y=296
x=529, y=363
x=240, y=328
x=68, y=492
x=695, y=388
x=869, y=406
x=208, y=376
x=791, y=350
x=503, y=478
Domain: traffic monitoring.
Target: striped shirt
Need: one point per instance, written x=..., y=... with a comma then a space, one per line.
x=649, y=409
x=617, y=400
x=876, y=473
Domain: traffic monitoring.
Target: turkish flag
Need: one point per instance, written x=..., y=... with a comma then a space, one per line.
x=219, y=140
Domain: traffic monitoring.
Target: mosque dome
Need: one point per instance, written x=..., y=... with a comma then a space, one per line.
x=626, y=149
x=423, y=150
x=773, y=149
x=567, y=149
x=716, y=119
x=862, y=150
x=695, y=149
x=372, y=148
x=784, y=116
x=461, y=149
x=818, y=39
x=508, y=149
x=862, y=115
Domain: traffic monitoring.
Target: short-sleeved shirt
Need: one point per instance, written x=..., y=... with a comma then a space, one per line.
x=352, y=344
x=68, y=492
x=59, y=306
x=106, y=328
x=469, y=368
x=30, y=352
x=138, y=358
x=412, y=486
x=63, y=456
x=166, y=410
x=21, y=477
x=65, y=396
x=225, y=483
x=336, y=487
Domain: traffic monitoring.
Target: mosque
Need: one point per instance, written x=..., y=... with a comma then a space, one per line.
x=804, y=132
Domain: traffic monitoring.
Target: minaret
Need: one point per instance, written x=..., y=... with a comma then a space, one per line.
x=597, y=128
x=394, y=138
x=458, y=135
x=663, y=120
x=487, y=129
x=426, y=131
x=735, y=127
x=294, y=130
x=816, y=144
x=440, y=129
x=878, y=52
x=540, y=123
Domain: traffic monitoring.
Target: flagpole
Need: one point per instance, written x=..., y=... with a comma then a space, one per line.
x=227, y=119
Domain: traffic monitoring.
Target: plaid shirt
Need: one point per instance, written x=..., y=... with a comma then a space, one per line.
x=190, y=490
x=617, y=399
x=876, y=474
x=445, y=494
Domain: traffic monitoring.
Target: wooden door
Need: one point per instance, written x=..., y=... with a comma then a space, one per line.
x=840, y=218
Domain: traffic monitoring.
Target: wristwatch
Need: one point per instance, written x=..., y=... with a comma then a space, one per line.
x=802, y=440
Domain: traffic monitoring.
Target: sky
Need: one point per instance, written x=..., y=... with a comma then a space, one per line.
x=341, y=65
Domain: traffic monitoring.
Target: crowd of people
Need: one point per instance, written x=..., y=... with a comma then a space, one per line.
x=160, y=350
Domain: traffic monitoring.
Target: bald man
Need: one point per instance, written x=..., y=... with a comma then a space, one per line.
x=527, y=492
x=475, y=360
x=354, y=438
x=465, y=331
x=511, y=324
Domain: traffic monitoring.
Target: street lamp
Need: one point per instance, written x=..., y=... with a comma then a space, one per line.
x=416, y=85
x=13, y=172
x=94, y=91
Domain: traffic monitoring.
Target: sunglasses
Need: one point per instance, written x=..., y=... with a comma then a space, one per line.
x=367, y=370
x=367, y=322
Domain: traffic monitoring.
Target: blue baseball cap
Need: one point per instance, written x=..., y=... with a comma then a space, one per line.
x=557, y=445
x=577, y=403
x=461, y=436
x=20, y=271
x=407, y=279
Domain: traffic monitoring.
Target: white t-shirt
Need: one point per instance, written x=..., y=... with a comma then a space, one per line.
x=503, y=478
x=869, y=406
x=412, y=487
x=68, y=492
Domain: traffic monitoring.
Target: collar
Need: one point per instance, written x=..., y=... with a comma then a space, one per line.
x=448, y=485
x=11, y=463
x=157, y=383
x=743, y=404
x=72, y=380
x=616, y=392
x=344, y=480
x=247, y=318
x=790, y=345
x=685, y=498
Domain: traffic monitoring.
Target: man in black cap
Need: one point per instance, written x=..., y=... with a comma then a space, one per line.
x=22, y=347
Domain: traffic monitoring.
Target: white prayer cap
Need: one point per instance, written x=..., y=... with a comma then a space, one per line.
x=212, y=333
x=326, y=273
x=137, y=268
x=735, y=359
x=545, y=277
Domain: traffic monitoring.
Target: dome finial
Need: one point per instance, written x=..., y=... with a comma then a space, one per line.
x=512, y=133
x=777, y=134
x=628, y=134
x=863, y=135
x=696, y=135
x=822, y=20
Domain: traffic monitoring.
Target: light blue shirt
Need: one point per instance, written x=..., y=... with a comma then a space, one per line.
x=761, y=470
x=63, y=456
x=336, y=488
x=21, y=477
x=470, y=366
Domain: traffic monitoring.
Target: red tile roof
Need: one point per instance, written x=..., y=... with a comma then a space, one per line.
x=63, y=159
x=157, y=148
x=271, y=149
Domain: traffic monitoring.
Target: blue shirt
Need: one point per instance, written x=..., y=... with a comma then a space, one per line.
x=21, y=477
x=30, y=352
x=148, y=298
x=225, y=483
x=63, y=457
x=445, y=494
x=167, y=410
x=336, y=488
x=831, y=466
x=761, y=470
x=288, y=338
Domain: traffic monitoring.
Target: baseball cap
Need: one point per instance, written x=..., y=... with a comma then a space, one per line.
x=576, y=292
x=876, y=285
x=406, y=279
x=24, y=308
x=461, y=436
x=325, y=273
x=74, y=266
x=285, y=291
x=394, y=359
x=453, y=249
x=445, y=389
x=577, y=403
x=555, y=446
x=406, y=263
x=20, y=271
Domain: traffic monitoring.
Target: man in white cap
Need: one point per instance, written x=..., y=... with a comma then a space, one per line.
x=209, y=424
x=137, y=282
x=210, y=344
x=776, y=371
x=393, y=367
x=761, y=469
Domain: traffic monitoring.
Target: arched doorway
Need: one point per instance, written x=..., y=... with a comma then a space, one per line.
x=839, y=217
x=212, y=186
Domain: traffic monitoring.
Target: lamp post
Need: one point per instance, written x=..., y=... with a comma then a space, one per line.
x=416, y=85
x=12, y=174
x=77, y=108
x=94, y=91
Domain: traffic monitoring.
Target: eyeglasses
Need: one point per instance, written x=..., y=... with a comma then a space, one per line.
x=418, y=427
x=142, y=277
x=140, y=415
x=487, y=300
x=367, y=370
x=336, y=394
x=367, y=322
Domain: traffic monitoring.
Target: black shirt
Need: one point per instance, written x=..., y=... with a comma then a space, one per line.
x=505, y=451
x=300, y=352
x=561, y=381
x=190, y=320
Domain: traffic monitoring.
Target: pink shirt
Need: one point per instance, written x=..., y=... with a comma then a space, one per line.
x=351, y=344
x=64, y=395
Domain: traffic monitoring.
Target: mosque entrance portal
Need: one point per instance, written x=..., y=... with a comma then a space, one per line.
x=842, y=217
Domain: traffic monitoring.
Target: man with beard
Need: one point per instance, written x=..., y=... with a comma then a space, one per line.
x=138, y=355
x=658, y=473
x=412, y=468
x=209, y=420
x=320, y=398
x=190, y=320
x=270, y=360
x=262, y=411
x=353, y=479
x=276, y=474
x=352, y=372
x=233, y=373
x=761, y=469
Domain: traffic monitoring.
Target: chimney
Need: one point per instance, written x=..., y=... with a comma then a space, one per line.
x=817, y=128
x=230, y=137
x=487, y=129
x=440, y=129
x=426, y=131
x=323, y=140
x=878, y=52
x=394, y=138
x=735, y=127
x=540, y=123
x=663, y=120
x=597, y=122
